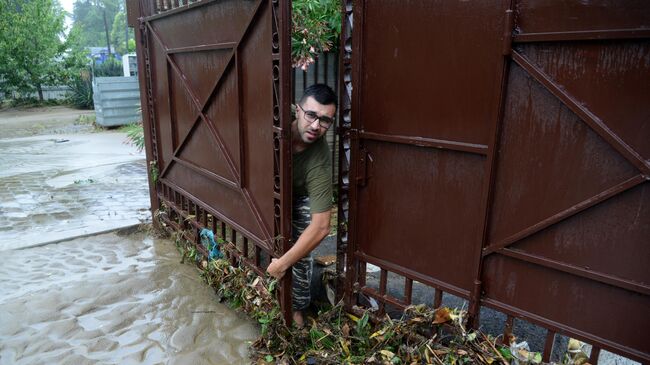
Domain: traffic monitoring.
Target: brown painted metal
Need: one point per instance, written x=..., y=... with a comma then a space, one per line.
x=215, y=81
x=500, y=151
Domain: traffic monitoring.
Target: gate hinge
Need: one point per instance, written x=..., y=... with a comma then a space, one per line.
x=508, y=31
x=365, y=159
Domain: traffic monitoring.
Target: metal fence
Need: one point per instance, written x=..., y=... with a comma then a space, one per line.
x=49, y=93
x=117, y=100
x=495, y=151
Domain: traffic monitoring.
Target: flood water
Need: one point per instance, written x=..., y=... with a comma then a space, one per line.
x=113, y=299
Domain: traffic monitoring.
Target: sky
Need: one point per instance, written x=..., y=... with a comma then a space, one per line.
x=67, y=6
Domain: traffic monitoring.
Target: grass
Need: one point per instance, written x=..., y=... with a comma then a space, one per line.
x=134, y=134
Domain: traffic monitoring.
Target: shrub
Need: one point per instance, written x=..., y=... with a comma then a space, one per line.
x=110, y=67
x=316, y=28
x=81, y=90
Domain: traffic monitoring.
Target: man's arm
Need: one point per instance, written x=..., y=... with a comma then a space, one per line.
x=318, y=229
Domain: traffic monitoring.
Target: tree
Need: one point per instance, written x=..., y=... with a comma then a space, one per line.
x=119, y=33
x=94, y=21
x=31, y=46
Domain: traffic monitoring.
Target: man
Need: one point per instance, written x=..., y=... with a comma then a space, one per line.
x=312, y=191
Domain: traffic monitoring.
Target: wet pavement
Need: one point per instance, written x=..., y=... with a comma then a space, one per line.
x=70, y=295
x=113, y=299
x=54, y=187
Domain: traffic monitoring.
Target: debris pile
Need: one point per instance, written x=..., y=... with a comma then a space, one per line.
x=421, y=336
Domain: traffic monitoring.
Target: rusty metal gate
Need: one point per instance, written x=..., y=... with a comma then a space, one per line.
x=499, y=151
x=215, y=81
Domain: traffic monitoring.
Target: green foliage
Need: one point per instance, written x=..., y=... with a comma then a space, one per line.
x=135, y=135
x=81, y=90
x=316, y=28
x=88, y=20
x=111, y=67
x=118, y=33
x=30, y=44
x=131, y=45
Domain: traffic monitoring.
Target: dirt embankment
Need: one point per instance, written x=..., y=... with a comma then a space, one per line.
x=23, y=122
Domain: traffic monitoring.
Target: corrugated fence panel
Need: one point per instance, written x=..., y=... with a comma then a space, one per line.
x=117, y=100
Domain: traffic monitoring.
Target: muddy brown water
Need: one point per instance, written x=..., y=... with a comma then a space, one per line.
x=115, y=298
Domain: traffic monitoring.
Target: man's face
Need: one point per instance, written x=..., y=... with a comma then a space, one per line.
x=310, y=125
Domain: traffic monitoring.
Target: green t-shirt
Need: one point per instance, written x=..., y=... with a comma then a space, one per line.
x=312, y=176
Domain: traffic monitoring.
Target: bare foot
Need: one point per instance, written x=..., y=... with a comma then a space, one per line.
x=298, y=319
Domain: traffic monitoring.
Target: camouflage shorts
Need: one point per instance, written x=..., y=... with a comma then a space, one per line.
x=301, y=270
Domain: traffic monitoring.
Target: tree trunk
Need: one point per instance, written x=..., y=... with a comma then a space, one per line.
x=108, y=39
x=40, y=91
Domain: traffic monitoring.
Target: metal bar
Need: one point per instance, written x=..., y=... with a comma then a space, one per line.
x=557, y=327
x=585, y=114
x=326, y=57
x=240, y=120
x=413, y=275
x=578, y=271
x=437, y=298
x=293, y=86
x=499, y=95
x=304, y=80
x=222, y=218
x=382, y=299
x=209, y=174
x=587, y=203
x=595, y=353
x=356, y=13
x=408, y=290
x=284, y=29
x=362, y=272
x=188, y=6
x=245, y=246
x=426, y=142
x=203, y=47
x=548, y=346
x=383, y=280
x=148, y=114
x=583, y=35
x=315, y=70
x=507, y=330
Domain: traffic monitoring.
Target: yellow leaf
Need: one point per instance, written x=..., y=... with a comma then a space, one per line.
x=387, y=354
x=344, y=346
x=353, y=317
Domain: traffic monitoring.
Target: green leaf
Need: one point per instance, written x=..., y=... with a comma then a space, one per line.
x=268, y=358
x=505, y=352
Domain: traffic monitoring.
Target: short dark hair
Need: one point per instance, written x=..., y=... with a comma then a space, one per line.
x=321, y=93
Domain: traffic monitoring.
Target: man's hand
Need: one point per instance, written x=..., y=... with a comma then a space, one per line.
x=275, y=269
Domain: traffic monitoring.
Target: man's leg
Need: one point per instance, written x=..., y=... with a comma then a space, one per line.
x=301, y=270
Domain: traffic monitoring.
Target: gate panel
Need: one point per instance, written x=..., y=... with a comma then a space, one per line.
x=205, y=71
x=570, y=214
x=215, y=77
x=499, y=151
x=420, y=183
x=431, y=193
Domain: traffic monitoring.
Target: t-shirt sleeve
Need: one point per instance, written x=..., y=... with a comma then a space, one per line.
x=319, y=188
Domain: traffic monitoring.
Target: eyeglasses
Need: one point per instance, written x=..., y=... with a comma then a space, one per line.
x=323, y=120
